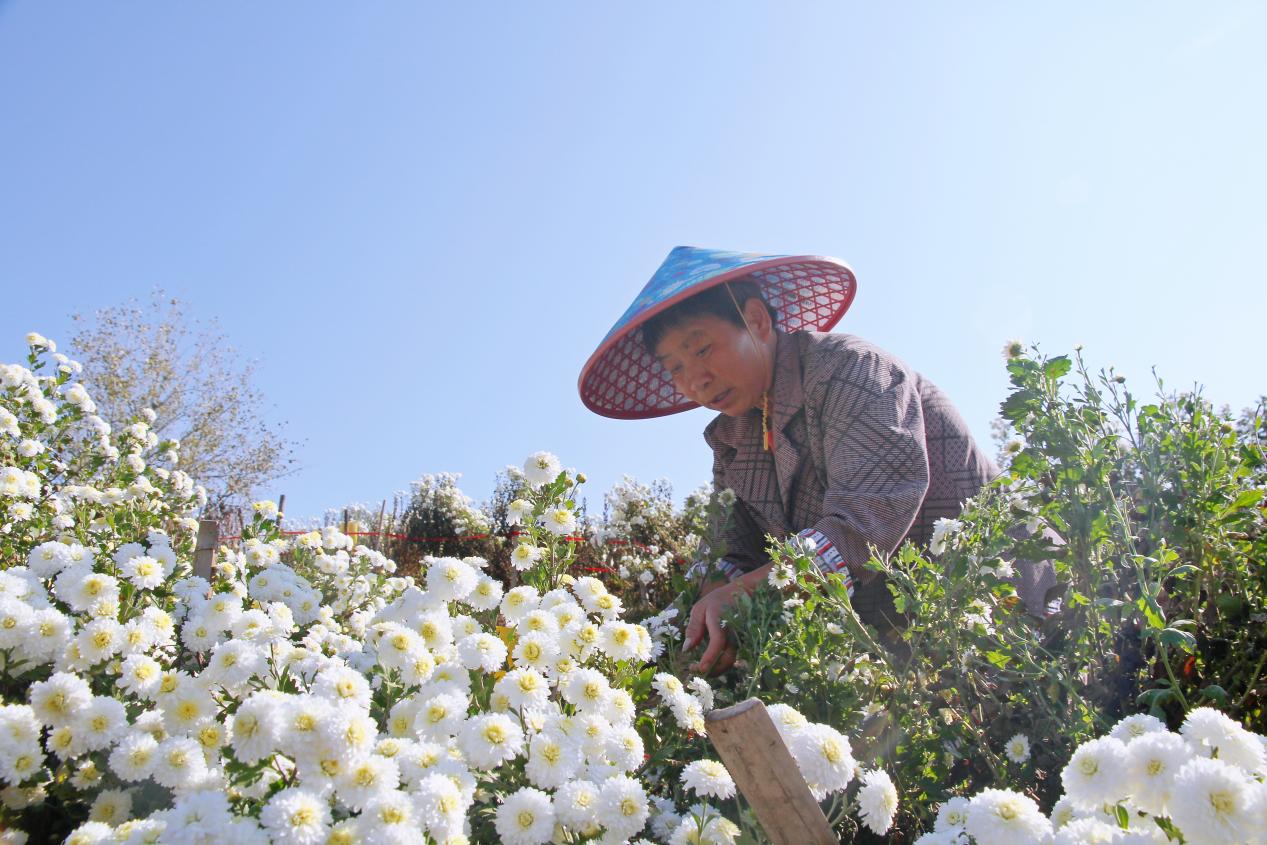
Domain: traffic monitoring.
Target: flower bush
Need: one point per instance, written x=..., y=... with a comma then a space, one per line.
x=1151, y=514
x=304, y=692
x=1139, y=785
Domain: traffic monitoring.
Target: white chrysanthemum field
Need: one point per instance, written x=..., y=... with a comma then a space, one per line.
x=306, y=693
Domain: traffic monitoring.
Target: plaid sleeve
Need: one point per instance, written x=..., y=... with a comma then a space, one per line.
x=876, y=459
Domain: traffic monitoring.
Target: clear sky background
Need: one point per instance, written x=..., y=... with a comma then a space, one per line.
x=421, y=218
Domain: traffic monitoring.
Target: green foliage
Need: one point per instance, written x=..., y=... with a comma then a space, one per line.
x=1152, y=515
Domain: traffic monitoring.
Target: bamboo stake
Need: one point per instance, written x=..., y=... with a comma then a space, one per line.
x=205, y=547
x=753, y=752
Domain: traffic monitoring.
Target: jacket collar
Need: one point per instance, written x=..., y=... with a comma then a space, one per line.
x=743, y=435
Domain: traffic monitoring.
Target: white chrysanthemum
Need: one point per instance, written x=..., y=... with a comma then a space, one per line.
x=344, y=684
x=1088, y=831
x=296, y=816
x=99, y=640
x=688, y=713
x=787, y=719
x=81, y=588
x=133, y=758
x=952, y=815
x=824, y=757
x=222, y=610
x=450, y=579
x=877, y=800
x=486, y=595
x=624, y=641
x=1003, y=817
x=1152, y=761
x=390, y=817
x=144, y=572
x=668, y=685
x=59, y=700
x=198, y=817
x=1211, y=732
x=111, y=806
x=525, y=817
x=525, y=555
x=944, y=531
x=624, y=748
x=1136, y=725
x=519, y=602
x=179, y=763
x=398, y=646
x=576, y=805
x=539, y=621
x=436, y=630
x=440, y=805
x=523, y=688
x=708, y=778
x=48, y=559
x=622, y=805
x=90, y=833
x=553, y=759
x=483, y=652
x=1096, y=773
x=490, y=740
x=257, y=727
x=301, y=718
x=1017, y=748
x=363, y=780
x=49, y=634
x=102, y=722
x=1212, y=802
x=537, y=651
x=587, y=689
x=20, y=760
x=559, y=520
x=15, y=622
x=233, y=663
x=541, y=468
x=703, y=825
x=518, y=511
x=440, y=716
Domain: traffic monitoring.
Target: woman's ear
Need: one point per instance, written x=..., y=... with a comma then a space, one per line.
x=758, y=318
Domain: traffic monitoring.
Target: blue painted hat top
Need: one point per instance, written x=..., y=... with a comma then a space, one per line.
x=623, y=379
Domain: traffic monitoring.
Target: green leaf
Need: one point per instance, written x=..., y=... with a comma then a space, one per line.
x=998, y=659
x=1215, y=693
x=1247, y=499
x=1180, y=571
x=1057, y=367
x=1175, y=638
x=1123, y=818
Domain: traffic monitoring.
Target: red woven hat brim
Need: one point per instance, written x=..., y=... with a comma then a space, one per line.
x=623, y=380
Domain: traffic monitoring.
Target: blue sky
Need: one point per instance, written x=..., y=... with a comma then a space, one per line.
x=420, y=218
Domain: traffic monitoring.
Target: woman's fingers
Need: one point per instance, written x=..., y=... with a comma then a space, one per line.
x=717, y=641
x=694, y=627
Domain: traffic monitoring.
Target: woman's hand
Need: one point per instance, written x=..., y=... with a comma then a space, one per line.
x=706, y=620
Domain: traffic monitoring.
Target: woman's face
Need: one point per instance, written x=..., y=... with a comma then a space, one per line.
x=720, y=365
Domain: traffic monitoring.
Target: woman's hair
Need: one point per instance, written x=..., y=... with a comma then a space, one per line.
x=724, y=301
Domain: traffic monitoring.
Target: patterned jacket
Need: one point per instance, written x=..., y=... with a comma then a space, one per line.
x=867, y=451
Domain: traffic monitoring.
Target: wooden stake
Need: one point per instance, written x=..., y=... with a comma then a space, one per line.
x=378, y=527
x=753, y=752
x=205, y=547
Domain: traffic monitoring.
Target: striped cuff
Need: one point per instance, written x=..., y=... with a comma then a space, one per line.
x=730, y=570
x=827, y=556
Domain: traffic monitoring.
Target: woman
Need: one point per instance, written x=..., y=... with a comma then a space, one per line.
x=819, y=435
